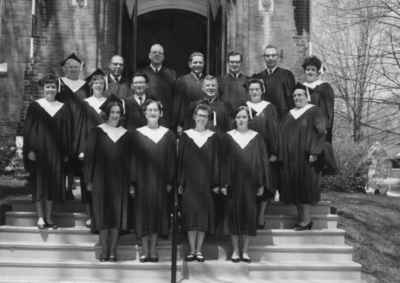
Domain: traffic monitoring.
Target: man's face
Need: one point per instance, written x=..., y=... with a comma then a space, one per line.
x=139, y=85
x=72, y=69
x=116, y=66
x=210, y=87
x=271, y=57
x=197, y=64
x=234, y=64
x=156, y=55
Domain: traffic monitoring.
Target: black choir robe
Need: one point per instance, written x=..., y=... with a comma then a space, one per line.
x=279, y=89
x=301, y=137
x=48, y=136
x=244, y=170
x=134, y=115
x=187, y=90
x=264, y=120
x=232, y=90
x=103, y=154
x=78, y=109
x=155, y=155
x=322, y=95
x=161, y=87
x=120, y=89
x=198, y=174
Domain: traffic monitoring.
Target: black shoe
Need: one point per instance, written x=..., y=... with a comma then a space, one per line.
x=305, y=227
x=51, y=226
x=190, y=257
x=153, y=259
x=260, y=226
x=143, y=258
x=245, y=259
x=200, y=257
x=235, y=259
x=112, y=258
x=41, y=226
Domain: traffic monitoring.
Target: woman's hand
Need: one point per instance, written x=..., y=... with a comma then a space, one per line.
x=32, y=156
x=180, y=189
x=312, y=158
x=273, y=158
x=89, y=187
x=224, y=191
x=81, y=156
x=215, y=190
x=260, y=191
x=169, y=188
x=132, y=190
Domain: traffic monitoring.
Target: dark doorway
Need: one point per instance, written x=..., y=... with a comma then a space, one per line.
x=180, y=32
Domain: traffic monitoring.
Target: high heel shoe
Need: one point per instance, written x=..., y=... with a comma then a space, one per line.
x=305, y=227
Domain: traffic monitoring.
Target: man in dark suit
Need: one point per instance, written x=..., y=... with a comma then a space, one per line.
x=115, y=82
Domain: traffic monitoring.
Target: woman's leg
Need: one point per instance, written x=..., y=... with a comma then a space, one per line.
x=192, y=241
x=145, y=246
x=200, y=240
x=306, y=214
x=39, y=209
x=261, y=215
x=245, y=249
x=113, y=243
x=235, y=246
x=299, y=213
x=103, y=239
x=153, y=247
x=49, y=210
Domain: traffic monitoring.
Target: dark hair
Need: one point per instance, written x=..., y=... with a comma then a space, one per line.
x=196, y=53
x=209, y=78
x=143, y=75
x=111, y=104
x=150, y=101
x=96, y=78
x=312, y=61
x=49, y=79
x=271, y=46
x=237, y=110
x=260, y=82
x=234, y=53
x=204, y=107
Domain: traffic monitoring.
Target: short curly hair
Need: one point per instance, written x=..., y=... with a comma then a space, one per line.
x=312, y=61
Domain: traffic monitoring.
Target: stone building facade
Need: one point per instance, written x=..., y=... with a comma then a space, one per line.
x=35, y=35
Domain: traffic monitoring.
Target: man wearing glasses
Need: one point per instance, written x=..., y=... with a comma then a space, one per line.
x=279, y=82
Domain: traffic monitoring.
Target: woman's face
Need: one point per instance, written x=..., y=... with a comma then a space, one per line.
x=50, y=91
x=115, y=115
x=152, y=113
x=98, y=86
x=312, y=73
x=201, y=118
x=255, y=92
x=210, y=87
x=242, y=120
x=299, y=98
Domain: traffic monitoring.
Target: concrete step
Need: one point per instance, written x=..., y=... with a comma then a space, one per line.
x=62, y=219
x=87, y=252
x=323, y=207
x=26, y=204
x=291, y=237
x=320, y=221
x=33, y=234
x=89, y=271
x=305, y=270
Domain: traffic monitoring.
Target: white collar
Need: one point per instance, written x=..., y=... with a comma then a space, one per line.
x=234, y=75
x=114, y=133
x=197, y=77
x=74, y=85
x=296, y=113
x=50, y=107
x=269, y=72
x=137, y=99
x=314, y=84
x=114, y=78
x=95, y=102
x=155, y=69
x=258, y=107
x=199, y=138
x=242, y=139
x=154, y=134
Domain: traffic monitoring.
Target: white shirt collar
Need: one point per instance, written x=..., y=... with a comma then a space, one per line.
x=74, y=85
x=272, y=71
x=114, y=133
x=154, y=134
x=136, y=97
x=50, y=107
x=242, y=139
x=314, y=84
x=199, y=138
x=258, y=107
x=297, y=113
x=95, y=102
x=155, y=69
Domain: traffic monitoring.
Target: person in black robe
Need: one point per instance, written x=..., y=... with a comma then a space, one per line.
x=244, y=177
x=198, y=179
x=302, y=140
x=45, y=151
x=115, y=81
x=264, y=120
x=188, y=88
x=232, y=88
x=155, y=155
x=134, y=116
x=161, y=81
x=278, y=81
x=109, y=145
x=319, y=93
x=72, y=91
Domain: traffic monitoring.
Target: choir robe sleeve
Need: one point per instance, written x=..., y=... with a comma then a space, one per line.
x=182, y=143
x=30, y=135
x=90, y=155
x=319, y=127
x=327, y=104
x=288, y=86
x=216, y=172
x=66, y=132
x=272, y=139
x=171, y=159
x=226, y=161
x=178, y=105
x=263, y=168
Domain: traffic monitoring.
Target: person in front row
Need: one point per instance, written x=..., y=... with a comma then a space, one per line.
x=109, y=144
x=198, y=180
x=244, y=178
x=46, y=134
x=302, y=141
x=155, y=155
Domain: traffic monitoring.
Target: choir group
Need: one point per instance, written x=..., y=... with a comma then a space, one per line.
x=227, y=145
